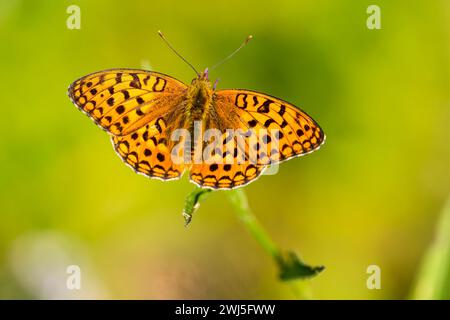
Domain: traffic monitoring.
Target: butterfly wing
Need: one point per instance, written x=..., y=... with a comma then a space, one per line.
x=148, y=155
x=224, y=176
x=123, y=100
x=297, y=134
x=134, y=106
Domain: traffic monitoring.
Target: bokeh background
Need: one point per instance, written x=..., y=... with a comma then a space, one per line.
x=372, y=194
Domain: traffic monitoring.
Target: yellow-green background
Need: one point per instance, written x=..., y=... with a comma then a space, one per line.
x=371, y=195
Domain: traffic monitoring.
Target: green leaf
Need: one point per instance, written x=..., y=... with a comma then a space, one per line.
x=192, y=203
x=293, y=268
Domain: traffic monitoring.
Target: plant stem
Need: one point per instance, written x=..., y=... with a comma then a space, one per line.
x=433, y=278
x=242, y=209
x=289, y=264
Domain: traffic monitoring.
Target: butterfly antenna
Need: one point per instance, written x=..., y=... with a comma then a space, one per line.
x=234, y=52
x=182, y=58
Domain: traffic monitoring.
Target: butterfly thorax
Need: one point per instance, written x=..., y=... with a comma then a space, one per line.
x=198, y=99
x=197, y=108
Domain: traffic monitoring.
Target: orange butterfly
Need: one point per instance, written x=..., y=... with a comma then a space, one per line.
x=142, y=110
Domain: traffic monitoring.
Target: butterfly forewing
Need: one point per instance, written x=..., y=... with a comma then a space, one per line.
x=123, y=100
x=297, y=134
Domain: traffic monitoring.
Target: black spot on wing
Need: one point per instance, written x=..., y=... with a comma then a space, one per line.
x=135, y=83
x=264, y=108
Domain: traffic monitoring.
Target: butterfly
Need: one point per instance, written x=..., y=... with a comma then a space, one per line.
x=142, y=109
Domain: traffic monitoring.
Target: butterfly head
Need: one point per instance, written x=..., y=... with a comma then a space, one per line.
x=202, y=79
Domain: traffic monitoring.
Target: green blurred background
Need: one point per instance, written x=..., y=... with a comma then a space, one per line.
x=371, y=195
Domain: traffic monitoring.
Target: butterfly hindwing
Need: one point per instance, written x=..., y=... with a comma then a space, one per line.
x=224, y=176
x=148, y=153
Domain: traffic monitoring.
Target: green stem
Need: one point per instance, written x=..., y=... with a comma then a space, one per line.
x=290, y=265
x=240, y=204
x=433, y=278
